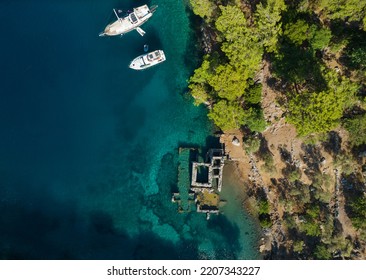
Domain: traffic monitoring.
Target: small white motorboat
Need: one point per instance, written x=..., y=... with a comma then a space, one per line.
x=145, y=61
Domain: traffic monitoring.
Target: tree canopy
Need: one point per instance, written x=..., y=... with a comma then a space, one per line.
x=226, y=80
x=292, y=40
x=357, y=129
x=203, y=8
x=348, y=10
x=268, y=23
x=358, y=209
x=314, y=112
x=297, y=32
x=300, y=31
x=227, y=115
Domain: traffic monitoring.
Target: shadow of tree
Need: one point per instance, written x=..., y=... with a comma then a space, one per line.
x=333, y=144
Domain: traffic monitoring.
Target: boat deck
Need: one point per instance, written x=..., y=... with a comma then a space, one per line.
x=142, y=11
x=119, y=26
x=128, y=22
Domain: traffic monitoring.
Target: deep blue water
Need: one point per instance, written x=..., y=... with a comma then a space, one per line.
x=88, y=147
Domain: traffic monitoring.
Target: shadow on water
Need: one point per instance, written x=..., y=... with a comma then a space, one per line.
x=183, y=144
x=230, y=234
x=93, y=238
x=193, y=47
x=167, y=182
x=110, y=243
x=129, y=122
x=180, y=48
x=168, y=174
x=213, y=142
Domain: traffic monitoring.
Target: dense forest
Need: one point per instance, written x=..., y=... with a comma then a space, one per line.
x=316, y=55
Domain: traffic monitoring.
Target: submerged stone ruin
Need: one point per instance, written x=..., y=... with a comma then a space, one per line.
x=199, y=182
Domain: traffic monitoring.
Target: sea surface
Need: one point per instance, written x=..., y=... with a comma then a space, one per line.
x=89, y=148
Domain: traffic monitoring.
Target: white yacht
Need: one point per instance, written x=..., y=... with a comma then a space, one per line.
x=147, y=60
x=130, y=22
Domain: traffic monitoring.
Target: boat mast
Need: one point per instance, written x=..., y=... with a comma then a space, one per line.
x=114, y=10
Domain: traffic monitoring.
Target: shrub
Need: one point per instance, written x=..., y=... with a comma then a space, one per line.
x=252, y=144
x=265, y=221
x=263, y=207
x=294, y=175
x=298, y=246
x=321, y=253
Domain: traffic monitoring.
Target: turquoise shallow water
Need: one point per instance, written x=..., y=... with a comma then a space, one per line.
x=88, y=153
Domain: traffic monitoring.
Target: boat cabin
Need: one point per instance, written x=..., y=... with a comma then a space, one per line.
x=153, y=56
x=133, y=18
